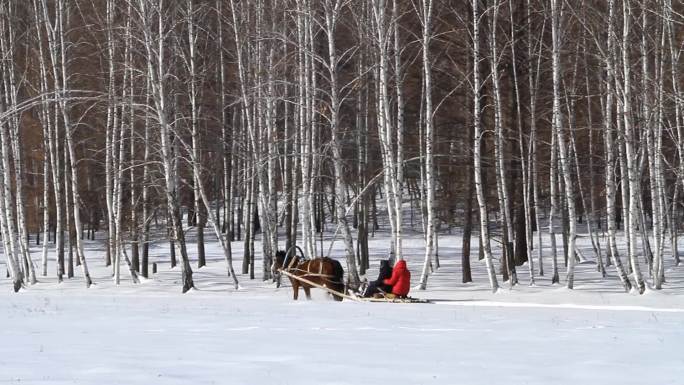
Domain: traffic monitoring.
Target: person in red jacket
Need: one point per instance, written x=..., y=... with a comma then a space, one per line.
x=400, y=279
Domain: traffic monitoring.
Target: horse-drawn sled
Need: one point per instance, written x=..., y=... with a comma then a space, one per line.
x=326, y=274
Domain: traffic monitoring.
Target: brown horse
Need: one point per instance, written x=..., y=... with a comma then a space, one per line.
x=322, y=271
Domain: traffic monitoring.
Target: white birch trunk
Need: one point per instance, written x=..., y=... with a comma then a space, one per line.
x=9, y=210
x=332, y=9
x=305, y=132
x=7, y=218
x=76, y=198
x=6, y=223
x=146, y=215
x=554, y=138
x=558, y=128
x=610, y=152
x=134, y=266
x=630, y=146
x=16, y=266
x=501, y=174
x=312, y=90
x=11, y=95
x=674, y=73
x=591, y=216
x=47, y=129
x=399, y=173
x=481, y=200
x=521, y=143
x=110, y=132
x=223, y=239
x=654, y=132
x=53, y=140
x=383, y=110
x=426, y=20
x=533, y=80
x=157, y=72
x=46, y=204
x=191, y=62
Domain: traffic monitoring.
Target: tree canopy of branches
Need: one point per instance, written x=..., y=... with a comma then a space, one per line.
x=279, y=120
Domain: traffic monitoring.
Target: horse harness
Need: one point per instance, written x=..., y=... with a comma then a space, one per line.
x=292, y=268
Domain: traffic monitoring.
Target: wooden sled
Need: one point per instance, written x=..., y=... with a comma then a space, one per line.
x=386, y=298
x=394, y=299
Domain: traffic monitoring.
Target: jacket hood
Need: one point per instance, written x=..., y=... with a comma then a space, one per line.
x=400, y=265
x=385, y=269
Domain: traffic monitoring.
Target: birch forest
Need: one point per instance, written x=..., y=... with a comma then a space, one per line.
x=522, y=124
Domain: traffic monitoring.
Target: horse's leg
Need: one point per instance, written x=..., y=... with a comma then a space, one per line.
x=307, y=291
x=295, y=288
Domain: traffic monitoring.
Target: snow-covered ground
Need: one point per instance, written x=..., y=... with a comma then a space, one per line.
x=151, y=334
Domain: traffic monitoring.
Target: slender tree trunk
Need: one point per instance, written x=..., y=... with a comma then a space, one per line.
x=630, y=149
x=525, y=216
x=674, y=73
x=398, y=182
x=332, y=9
x=47, y=129
x=430, y=178
x=110, y=132
x=591, y=216
x=533, y=80
x=382, y=28
x=608, y=138
x=7, y=47
x=477, y=157
x=146, y=214
x=654, y=143
x=6, y=220
x=564, y=162
x=69, y=215
x=157, y=72
x=501, y=172
x=466, y=274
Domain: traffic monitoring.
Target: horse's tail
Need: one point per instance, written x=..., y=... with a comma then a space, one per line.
x=338, y=271
x=337, y=283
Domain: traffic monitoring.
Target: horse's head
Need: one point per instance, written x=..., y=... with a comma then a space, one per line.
x=278, y=263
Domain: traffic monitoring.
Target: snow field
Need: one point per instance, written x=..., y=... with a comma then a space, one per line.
x=151, y=334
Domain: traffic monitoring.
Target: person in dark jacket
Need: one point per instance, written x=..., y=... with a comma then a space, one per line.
x=400, y=279
x=378, y=285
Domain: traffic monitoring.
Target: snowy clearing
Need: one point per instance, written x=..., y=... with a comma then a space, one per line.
x=150, y=333
x=209, y=338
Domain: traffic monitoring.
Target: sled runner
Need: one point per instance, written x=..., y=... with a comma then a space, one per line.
x=389, y=297
x=393, y=299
